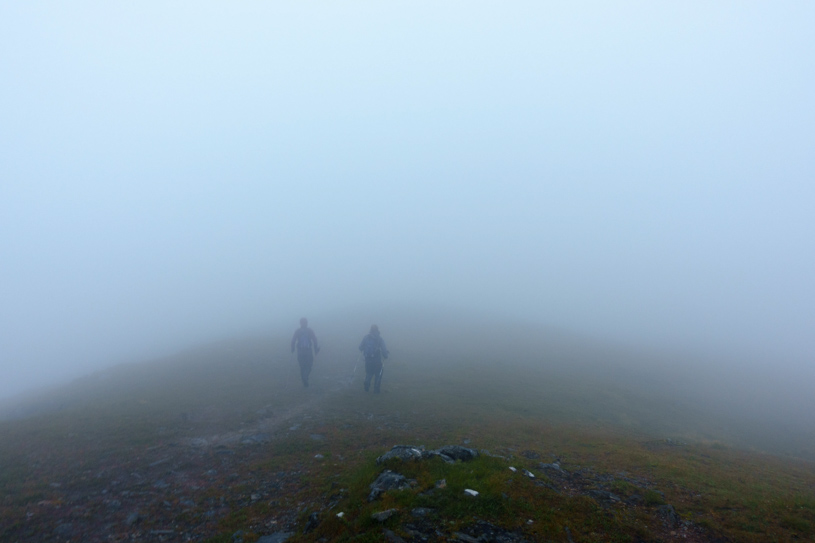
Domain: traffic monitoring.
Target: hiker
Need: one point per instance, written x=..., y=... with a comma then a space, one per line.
x=374, y=350
x=305, y=339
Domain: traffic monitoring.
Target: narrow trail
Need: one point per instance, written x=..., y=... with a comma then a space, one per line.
x=264, y=429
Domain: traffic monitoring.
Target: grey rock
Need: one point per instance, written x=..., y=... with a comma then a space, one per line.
x=402, y=452
x=256, y=439
x=603, y=495
x=387, y=480
x=669, y=515
x=133, y=518
x=553, y=469
x=546, y=485
x=457, y=452
x=482, y=531
x=382, y=516
x=312, y=522
x=392, y=537
x=635, y=499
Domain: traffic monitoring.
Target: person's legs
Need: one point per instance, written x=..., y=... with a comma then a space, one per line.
x=378, y=379
x=369, y=372
x=305, y=360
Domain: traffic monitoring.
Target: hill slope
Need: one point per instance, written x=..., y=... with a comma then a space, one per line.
x=222, y=443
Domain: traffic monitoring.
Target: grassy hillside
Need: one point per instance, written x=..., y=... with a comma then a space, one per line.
x=223, y=444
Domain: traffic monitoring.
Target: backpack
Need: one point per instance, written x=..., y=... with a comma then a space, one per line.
x=371, y=349
x=304, y=340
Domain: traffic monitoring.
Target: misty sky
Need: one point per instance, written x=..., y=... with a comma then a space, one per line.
x=174, y=172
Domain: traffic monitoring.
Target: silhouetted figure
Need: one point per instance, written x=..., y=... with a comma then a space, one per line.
x=304, y=339
x=374, y=350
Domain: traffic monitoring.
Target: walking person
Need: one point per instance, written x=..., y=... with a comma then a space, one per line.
x=307, y=346
x=374, y=350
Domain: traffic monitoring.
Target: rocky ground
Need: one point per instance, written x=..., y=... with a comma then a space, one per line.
x=273, y=477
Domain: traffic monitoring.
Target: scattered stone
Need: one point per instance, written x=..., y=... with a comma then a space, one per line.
x=635, y=499
x=555, y=468
x=133, y=518
x=402, y=452
x=529, y=474
x=486, y=452
x=669, y=515
x=470, y=492
x=421, y=511
x=531, y=455
x=319, y=456
x=312, y=522
x=387, y=480
x=457, y=452
x=603, y=495
x=340, y=514
x=547, y=485
x=256, y=439
x=483, y=531
x=449, y=453
x=392, y=537
x=382, y=516
x=254, y=497
x=513, y=470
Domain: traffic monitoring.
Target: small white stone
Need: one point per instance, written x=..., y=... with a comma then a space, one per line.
x=471, y=492
x=340, y=514
x=513, y=470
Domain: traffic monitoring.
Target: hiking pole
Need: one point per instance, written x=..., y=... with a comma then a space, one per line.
x=288, y=373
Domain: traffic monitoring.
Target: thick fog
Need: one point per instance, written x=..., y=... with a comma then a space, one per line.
x=175, y=173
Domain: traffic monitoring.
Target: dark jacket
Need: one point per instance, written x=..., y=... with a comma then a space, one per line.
x=372, y=346
x=304, y=344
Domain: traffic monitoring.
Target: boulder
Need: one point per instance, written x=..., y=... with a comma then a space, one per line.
x=457, y=452
x=402, y=452
x=387, y=480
